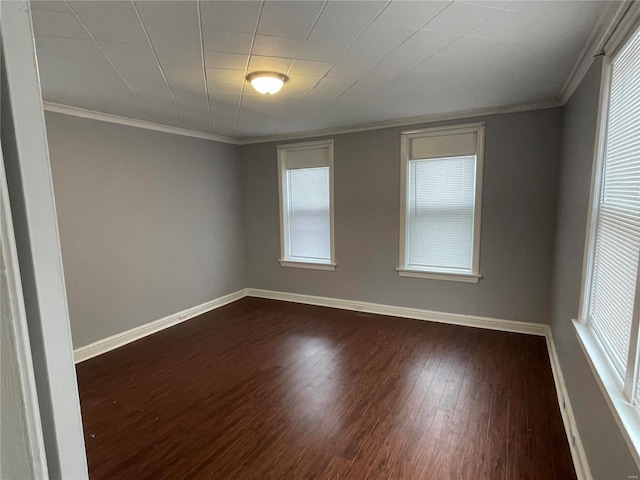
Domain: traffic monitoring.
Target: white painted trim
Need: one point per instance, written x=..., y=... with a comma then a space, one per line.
x=13, y=312
x=452, y=277
x=282, y=150
x=110, y=343
x=578, y=454
x=596, y=183
x=290, y=147
x=628, y=23
x=619, y=393
x=625, y=414
x=403, y=122
x=406, y=312
x=445, y=129
x=310, y=265
x=405, y=139
x=132, y=122
x=605, y=29
x=38, y=245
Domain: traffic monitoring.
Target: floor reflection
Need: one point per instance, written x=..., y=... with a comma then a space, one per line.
x=314, y=386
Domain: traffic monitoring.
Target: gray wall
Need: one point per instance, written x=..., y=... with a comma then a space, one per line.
x=608, y=454
x=150, y=223
x=518, y=218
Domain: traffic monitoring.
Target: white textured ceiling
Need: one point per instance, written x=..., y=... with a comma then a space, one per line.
x=349, y=62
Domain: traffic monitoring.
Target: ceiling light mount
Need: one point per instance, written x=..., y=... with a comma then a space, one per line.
x=267, y=83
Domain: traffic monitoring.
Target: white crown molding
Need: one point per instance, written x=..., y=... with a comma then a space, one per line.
x=613, y=26
x=120, y=339
x=628, y=24
x=403, y=122
x=133, y=122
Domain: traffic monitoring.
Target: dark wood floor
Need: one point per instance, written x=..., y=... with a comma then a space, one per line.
x=262, y=389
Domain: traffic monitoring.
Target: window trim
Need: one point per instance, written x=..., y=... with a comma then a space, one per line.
x=405, y=137
x=618, y=392
x=624, y=413
x=453, y=277
x=297, y=263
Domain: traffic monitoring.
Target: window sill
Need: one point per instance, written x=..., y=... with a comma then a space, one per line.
x=451, y=277
x=310, y=265
x=626, y=415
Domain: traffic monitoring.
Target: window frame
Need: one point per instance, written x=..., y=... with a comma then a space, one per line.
x=282, y=199
x=405, y=138
x=619, y=392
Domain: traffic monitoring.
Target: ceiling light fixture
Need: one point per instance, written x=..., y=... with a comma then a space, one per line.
x=267, y=83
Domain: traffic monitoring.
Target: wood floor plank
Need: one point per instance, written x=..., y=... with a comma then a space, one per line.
x=262, y=389
x=495, y=464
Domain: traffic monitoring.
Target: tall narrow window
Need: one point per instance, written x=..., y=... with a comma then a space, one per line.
x=610, y=309
x=306, y=205
x=441, y=195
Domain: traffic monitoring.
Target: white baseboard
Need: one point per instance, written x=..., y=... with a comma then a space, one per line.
x=414, y=313
x=107, y=344
x=583, y=472
x=102, y=346
x=575, y=444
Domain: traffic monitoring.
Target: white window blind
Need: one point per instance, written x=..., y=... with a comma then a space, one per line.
x=441, y=201
x=440, y=216
x=306, y=203
x=308, y=213
x=617, y=234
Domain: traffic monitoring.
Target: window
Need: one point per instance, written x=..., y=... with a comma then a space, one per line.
x=610, y=307
x=306, y=205
x=441, y=196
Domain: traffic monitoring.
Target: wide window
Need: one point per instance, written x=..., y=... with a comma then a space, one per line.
x=610, y=310
x=441, y=196
x=306, y=205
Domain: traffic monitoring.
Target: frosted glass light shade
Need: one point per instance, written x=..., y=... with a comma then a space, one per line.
x=267, y=83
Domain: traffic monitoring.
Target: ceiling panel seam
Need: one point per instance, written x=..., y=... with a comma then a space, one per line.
x=315, y=22
x=246, y=67
x=204, y=64
x=329, y=71
x=396, y=48
x=365, y=80
x=294, y=61
x=155, y=55
x=95, y=40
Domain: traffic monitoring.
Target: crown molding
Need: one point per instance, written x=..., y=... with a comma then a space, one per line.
x=133, y=122
x=627, y=26
x=403, y=122
x=614, y=25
